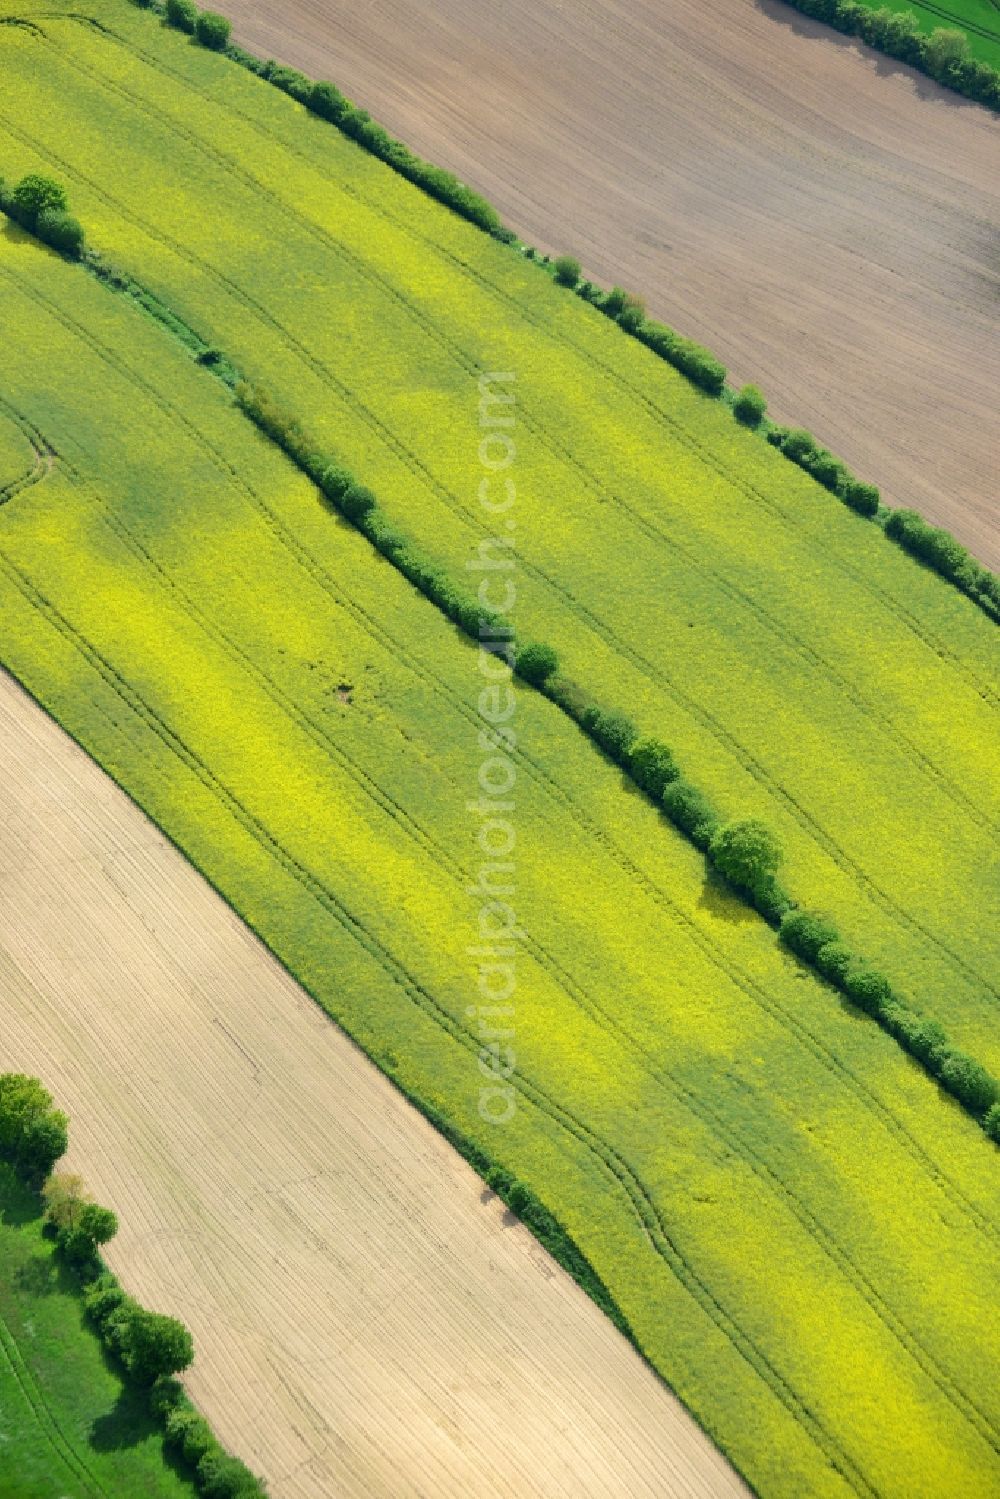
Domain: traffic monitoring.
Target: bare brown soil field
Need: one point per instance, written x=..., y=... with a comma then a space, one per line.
x=368, y=1319
x=824, y=219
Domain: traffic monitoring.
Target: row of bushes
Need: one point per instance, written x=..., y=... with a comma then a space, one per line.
x=943, y=55
x=882, y=28
x=744, y=853
x=815, y=940
x=150, y=1347
x=747, y=855
x=208, y=28
x=939, y=550
x=803, y=449
x=40, y=206
x=357, y=504
x=936, y=547
x=326, y=101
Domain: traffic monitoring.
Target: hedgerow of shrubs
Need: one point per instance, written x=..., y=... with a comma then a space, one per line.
x=40, y=206
x=802, y=448
x=744, y=852
x=749, y=406
x=940, y=551
x=182, y=14
x=943, y=55
x=814, y=939
x=326, y=101
x=566, y=269
x=212, y=30
x=151, y=1348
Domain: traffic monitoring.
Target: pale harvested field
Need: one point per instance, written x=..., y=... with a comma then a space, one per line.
x=367, y=1320
x=826, y=220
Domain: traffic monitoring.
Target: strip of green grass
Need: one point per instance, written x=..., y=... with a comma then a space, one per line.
x=70, y=1428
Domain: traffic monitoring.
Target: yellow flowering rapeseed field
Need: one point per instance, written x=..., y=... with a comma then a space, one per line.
x=798, y=1227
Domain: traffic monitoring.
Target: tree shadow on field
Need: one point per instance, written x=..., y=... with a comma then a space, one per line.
x=18, y=1204
x=126, y=1424
x=719, y=899
x=880, y=62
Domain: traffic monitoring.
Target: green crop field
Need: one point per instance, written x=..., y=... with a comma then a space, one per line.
x=798, y=1226
x=69, y=1428
x=979, y=19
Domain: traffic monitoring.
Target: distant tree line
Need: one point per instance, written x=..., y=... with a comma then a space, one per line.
x=943, y=55
x=151, y=1348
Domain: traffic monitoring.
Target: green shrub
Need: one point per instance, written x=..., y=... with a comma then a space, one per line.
x=166, y=1394
x=289, y=80
x=536, y=663
x=61, y=231
x=356, y=502
x=827, y=470
x=690, y=811
x=222, y=1477
x=567, y=270
x=746, y=852
x=633, y=315
x=805, y=932
x=869, y=989
x=799, y=445
x=652, y=765
x=33, y=196
x=991, y=1124
x=700, y=367
x=197, y=1440
x=152, y=1344
x=772, y=900
x=182, y=14
x=212, y=30
x=178, y=1422
x=32, y=1133
x=927, y=1040
x=103, y=1298
x=968, y=1081
x=328, y=102
x=864, y=498
x=943, y=50
x=749, y=406
x=833, y=960
x=614, y=732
